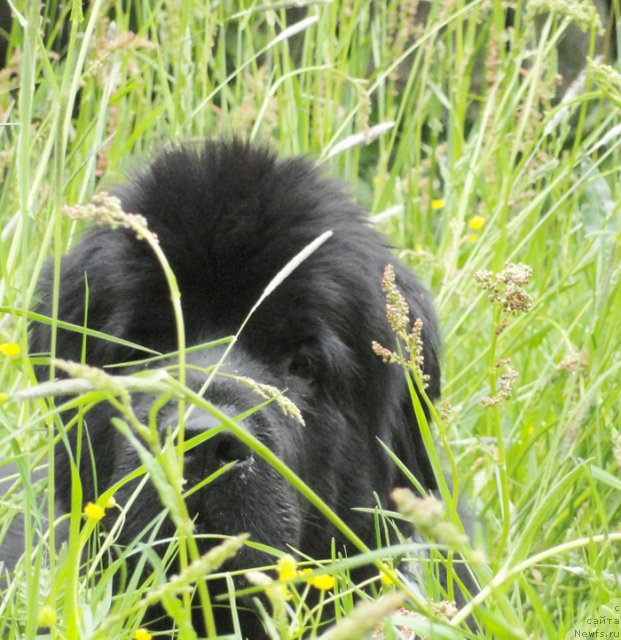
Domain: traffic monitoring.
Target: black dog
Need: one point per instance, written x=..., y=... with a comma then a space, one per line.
x=228, y=217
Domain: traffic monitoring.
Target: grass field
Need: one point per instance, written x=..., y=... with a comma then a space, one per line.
x=451, y=128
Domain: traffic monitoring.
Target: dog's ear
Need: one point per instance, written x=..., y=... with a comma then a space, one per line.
x=96, y=292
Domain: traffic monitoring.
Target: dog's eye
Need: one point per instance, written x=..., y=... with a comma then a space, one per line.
x=301, y=366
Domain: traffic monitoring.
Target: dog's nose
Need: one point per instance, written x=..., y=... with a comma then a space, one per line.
x=216, y=451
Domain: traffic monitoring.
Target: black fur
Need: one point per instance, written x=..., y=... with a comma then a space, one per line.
x=228, y=217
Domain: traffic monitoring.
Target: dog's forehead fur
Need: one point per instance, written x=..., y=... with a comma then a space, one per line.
x=235, y=198
x=237, y=212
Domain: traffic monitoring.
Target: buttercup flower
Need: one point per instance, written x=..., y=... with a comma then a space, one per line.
x=323, y=583
x=476, y=222
x=93, y=511
x=47, y=616
x=385, y=578
x=287, y=568
x=10, y=349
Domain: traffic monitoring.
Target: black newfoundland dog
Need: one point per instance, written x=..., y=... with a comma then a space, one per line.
x=229, y=217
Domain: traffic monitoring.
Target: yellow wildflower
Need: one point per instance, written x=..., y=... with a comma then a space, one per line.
x=324, y=582
x=10, y=349
x=93, y=511
x=436, y=204
x=472, y=238
x=142, y=634
x=385, y=578
x=476, y=222
x=287, y=568
x=46, y=617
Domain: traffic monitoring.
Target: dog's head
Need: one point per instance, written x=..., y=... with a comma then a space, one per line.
x=229, y=217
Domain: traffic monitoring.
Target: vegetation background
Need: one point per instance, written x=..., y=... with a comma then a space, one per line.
x=450, y=123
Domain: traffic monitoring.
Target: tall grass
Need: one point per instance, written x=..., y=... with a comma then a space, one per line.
x=451, y=128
